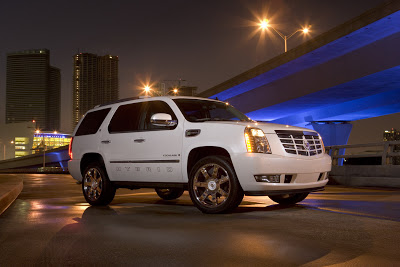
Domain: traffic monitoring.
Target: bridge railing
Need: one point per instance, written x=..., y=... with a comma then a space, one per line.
x=387, y=151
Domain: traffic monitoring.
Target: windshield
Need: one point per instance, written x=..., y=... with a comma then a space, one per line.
x=196, y=110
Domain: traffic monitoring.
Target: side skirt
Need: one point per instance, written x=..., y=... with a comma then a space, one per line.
x=138, y=185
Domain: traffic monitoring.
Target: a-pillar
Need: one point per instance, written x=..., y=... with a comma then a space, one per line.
x=334, y=134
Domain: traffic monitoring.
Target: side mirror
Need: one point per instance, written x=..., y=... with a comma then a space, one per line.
x=162, y=119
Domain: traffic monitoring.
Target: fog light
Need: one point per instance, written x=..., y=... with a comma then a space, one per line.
x=271, y=178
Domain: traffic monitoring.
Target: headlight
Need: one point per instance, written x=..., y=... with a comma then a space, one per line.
x=256, y=142
x=322, y=144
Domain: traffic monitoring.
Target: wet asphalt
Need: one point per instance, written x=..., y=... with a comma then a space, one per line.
x=50, y=224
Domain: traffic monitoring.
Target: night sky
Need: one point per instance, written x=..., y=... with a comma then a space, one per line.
x=203, y=42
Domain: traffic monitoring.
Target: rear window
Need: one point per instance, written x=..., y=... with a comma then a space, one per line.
x=126, y=119
x=92, y=121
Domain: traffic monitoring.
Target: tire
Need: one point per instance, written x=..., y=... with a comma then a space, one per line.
x=213, y=185
x=289, y=199
x=96, y=187
x=169, y=193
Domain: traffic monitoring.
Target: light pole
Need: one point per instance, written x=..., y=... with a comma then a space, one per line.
x=4, y=148
x=265, y=25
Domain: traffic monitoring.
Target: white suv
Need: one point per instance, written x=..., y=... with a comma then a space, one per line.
x=204, y=146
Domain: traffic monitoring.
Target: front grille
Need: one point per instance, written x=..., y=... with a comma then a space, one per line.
x=300, y=143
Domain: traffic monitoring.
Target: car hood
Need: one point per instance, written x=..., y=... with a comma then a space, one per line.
x=268, y=128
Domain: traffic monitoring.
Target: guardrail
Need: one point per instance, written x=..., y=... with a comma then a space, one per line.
x=387, y=154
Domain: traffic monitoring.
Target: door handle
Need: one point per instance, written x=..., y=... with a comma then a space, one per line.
x=106, y=141
x=139, y=140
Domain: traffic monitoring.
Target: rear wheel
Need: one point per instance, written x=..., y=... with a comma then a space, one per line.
x=213, y=185
x=169, y=193
x=97, y=188
x=289, y=199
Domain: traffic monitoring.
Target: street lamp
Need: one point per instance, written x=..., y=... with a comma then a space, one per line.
x=265, y=25
x=147, y=90
x=4, y=148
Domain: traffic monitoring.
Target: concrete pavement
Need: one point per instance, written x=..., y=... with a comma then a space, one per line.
x=50, y=224
x=10, y=187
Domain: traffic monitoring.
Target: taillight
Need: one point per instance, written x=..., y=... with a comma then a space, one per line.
x=70, y=148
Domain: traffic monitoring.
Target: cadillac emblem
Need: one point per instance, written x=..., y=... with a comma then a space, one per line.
x=306, y=144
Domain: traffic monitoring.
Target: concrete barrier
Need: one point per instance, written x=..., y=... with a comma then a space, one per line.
x=366, y=175
x=10, y=187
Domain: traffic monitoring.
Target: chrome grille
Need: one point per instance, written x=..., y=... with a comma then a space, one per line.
x=300, y=143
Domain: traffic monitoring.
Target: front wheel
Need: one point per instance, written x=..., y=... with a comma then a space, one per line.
x=289, y=199
x=213, y=185
x=169, y=193
x=97, y=188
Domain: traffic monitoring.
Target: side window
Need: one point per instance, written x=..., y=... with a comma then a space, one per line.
x=92, y=121
x=126, y=119
x=153, y=107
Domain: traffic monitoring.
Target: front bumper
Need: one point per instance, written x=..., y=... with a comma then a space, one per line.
x=282, y=192
x=306, y=172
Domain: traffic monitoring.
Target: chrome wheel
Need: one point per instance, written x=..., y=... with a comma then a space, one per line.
x=93, y=184
x=211, y=185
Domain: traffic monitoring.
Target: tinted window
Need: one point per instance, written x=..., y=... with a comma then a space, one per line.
x=196, y=110
x=92, y=121
x=153, y=107
x=126, y=118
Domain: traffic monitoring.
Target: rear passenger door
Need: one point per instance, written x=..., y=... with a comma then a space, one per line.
x=139, y=151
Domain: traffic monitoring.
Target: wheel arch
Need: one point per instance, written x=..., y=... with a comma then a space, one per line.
x=201, y=152
x=88, y=158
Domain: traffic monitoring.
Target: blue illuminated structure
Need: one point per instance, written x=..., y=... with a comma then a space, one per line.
x=355, y=75
x=51, y=135
x=369, y=34
x=371, y=96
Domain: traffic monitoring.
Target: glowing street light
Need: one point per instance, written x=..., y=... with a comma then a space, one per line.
x=264, y=25
x=147, y=90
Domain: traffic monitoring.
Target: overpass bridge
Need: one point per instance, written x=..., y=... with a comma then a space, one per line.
x=349, y=73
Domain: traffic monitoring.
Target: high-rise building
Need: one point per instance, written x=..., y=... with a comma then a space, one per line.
x=95, y=82
x=33, y=89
